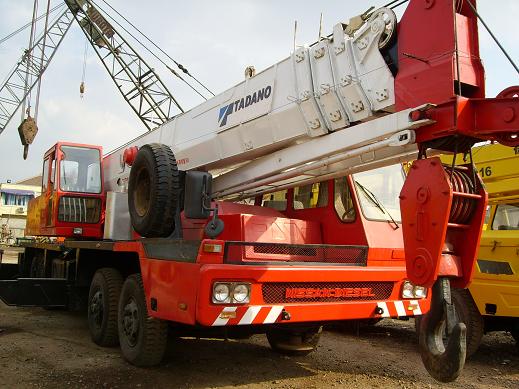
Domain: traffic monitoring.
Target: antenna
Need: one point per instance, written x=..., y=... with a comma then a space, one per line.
x=295, y=34
x=320, y=28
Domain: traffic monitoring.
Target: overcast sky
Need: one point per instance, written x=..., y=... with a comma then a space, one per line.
x=215, y=40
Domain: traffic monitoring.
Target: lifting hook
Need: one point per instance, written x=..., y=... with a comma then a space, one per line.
x=443, y=344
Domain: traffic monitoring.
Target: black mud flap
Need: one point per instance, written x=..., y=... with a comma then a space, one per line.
x=35, y=292
x=443, y=362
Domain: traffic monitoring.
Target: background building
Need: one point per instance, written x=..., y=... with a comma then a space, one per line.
x=14, y=199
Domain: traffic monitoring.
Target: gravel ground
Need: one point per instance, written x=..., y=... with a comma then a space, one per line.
x=50, y=349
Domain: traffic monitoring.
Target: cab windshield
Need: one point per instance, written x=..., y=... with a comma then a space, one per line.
x=80, y=170
x=378, y=192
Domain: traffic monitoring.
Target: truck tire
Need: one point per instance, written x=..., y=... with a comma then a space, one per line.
x=143, y=339
x=103, y=302
x=294, y=342
x=468, y=313
x=153, y=191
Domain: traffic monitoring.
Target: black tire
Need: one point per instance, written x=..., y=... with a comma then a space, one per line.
x=294, y=342
x=153, y=191
x=103, y=303
x=467, y=313
x=143, y=339
x=515, y=335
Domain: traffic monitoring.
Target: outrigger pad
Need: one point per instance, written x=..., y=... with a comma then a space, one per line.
x=35, y=292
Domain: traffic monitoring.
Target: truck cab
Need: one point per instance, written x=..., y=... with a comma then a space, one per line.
x=72, y=198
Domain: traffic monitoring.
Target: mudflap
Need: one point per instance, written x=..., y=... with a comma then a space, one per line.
x=443, y=362
x=35, y=292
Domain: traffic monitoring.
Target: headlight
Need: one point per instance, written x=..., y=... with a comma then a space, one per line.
x=221, y=293
x=410, y=291
x=407, y=290
x=241, y=293
x=420, y=292
x=231, y=293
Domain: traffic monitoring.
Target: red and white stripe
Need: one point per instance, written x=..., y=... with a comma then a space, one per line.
x=269, y=315
x=400, y=308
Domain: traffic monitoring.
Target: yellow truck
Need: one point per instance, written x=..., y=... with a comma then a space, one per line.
x=491, y=303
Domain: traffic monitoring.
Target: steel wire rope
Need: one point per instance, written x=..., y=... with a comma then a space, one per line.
x=7, y=37
x=179, y=65
x=493, y=36
x=28, y=58
x=45, y=31
x=147, y=48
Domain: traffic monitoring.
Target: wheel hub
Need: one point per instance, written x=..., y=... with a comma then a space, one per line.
x=131, y=321
x=96, y=308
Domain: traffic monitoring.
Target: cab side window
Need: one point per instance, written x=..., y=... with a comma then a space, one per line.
x=45, y=175
x=311, y=196
x=343, y=201
x=276, y=200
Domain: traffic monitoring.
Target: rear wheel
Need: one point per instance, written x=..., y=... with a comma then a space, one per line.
x=153, y=191
x=103, y=299
x=294, y=342
x=142, y=338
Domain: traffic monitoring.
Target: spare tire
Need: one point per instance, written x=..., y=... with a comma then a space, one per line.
x=153, y=191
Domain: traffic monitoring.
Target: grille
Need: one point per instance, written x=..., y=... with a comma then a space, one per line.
x=313, y=292
x=240, y=252
x=79, y=209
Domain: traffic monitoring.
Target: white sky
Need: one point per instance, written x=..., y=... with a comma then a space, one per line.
x=215, y=40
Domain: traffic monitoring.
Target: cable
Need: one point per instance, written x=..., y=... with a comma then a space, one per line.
x=147, y=49
x=28, y=24
x=27, y=101
x=492, y=35
x=179, y=65
x=399, y=4
x=45, y=30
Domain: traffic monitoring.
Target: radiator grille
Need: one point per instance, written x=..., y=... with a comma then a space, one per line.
x=240, y=252
x=312, y=292
x=79, y=209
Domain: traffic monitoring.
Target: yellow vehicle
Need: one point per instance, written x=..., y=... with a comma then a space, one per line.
x=492, y=301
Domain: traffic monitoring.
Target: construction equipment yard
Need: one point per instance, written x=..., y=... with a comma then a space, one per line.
x=44, y=349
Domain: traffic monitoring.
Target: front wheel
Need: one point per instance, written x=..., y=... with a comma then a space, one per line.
x=294, y=342
x=142, y=338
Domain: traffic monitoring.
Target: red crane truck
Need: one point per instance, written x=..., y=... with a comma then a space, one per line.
x=306, y=229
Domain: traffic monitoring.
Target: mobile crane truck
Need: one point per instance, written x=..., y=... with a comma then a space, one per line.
x=156, y=234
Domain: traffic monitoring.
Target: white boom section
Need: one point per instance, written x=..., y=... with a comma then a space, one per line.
x=335, y=96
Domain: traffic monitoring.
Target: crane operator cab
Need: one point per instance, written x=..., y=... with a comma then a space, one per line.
x=72, y=196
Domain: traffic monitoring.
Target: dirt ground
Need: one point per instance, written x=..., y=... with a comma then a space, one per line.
x=52, y=349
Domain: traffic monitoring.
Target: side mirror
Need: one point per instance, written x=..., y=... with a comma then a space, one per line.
x=197, y=195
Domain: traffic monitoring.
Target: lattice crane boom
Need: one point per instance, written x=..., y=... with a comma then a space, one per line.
x=14, y=91
x=138, y=83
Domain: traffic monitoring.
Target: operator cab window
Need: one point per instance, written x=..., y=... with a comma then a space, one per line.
x=343, y=202
x=276, y=200
x=311, y=196
x=507, y=217
x=378, y=192
x=80, y=170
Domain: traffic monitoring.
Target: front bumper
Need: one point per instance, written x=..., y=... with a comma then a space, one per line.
x=322, y=281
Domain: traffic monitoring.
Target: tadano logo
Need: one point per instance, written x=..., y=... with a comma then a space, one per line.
x=242, y=103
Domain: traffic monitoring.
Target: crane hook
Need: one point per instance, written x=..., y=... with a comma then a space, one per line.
x=444, y=363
